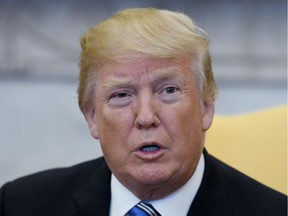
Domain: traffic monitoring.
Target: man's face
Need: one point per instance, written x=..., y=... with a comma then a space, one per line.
x=150, y=121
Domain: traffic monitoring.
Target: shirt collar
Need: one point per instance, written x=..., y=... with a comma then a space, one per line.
x=122, y=200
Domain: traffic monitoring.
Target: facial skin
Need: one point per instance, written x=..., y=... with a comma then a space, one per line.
x=151, y=123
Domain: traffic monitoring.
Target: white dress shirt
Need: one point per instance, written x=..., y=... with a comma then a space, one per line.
x=177, y=203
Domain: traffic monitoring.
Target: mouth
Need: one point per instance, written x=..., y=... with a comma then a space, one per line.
x=150, y=151
x=150, y=148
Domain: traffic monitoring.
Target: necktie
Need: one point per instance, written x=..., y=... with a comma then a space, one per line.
x=143, y=209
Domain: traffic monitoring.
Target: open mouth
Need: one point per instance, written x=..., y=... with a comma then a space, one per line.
x=150, y=148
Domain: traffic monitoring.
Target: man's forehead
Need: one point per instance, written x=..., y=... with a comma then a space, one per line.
x=145, y=73
x=149, y=66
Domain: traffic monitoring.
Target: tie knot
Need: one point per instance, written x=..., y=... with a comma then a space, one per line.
x=143, y=209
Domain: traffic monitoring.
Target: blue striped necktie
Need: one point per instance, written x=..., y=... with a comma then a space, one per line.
x=142, y=209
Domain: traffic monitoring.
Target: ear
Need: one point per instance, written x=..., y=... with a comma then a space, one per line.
x=89, y=113
x=208, y=114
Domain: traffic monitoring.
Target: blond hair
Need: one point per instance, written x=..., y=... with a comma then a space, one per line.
x=145, y=31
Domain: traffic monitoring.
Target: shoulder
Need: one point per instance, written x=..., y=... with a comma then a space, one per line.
x=79, y=172
x=248, y=194
x=40, y=189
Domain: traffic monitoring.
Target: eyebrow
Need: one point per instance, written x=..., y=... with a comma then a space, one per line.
x=117, y=84
x=156, y=76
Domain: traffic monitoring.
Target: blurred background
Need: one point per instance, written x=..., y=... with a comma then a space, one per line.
x=41, y=126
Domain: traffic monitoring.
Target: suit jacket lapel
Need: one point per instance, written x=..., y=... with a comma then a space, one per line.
x=211, y=198
x=93, y=198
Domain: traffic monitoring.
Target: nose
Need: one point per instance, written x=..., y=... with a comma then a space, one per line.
x=146, y=112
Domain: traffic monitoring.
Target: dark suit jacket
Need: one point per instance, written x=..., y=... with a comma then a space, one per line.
x=84, y=190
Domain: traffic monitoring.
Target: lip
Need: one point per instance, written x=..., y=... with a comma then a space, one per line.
x=152, y=154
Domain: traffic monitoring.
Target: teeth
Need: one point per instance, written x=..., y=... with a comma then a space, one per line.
x=150, y=148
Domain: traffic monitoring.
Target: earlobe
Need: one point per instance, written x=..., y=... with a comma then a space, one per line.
x=208, y=115
x=89, y=113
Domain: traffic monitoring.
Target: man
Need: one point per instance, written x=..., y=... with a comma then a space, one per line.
x=147, y=92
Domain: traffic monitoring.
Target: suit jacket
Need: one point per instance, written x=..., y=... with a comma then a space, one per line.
x=84, y=190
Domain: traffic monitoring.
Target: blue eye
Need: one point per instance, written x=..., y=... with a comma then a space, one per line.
x=170, y=90
x=170, y=93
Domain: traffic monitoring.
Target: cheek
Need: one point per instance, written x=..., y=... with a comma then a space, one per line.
x=114, y=128
x=112, y=121
x=185, y=119
x=184, y=126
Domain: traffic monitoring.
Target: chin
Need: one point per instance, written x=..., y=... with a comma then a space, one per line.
x=153, y=176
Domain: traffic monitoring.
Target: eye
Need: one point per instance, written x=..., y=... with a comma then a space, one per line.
x=169, y=93
x=120, y=95
x=170, y=90
x=120, y=99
